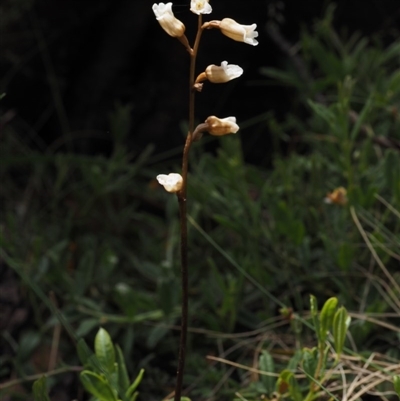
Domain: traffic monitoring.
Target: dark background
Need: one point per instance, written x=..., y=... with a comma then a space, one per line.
x=66, y=63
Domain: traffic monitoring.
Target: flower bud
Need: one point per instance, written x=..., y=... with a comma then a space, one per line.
x=200, y=7
x=240, y=33
x=221, y=126
x=337, y=197
x=167, y=20
x=171, y=182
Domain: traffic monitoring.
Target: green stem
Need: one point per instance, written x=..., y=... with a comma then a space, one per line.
x=313, y=386
x=183, y=219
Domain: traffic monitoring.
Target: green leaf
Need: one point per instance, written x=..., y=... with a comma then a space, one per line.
x=310, y=360
x=394, y=82
x=156, y=334
x=104, y=350
x=27, y=344
x=135, y=395
x=83, y=351
x=326, y=317
x=86, y=326
x=314, y=315
x=288, y=383
x=323, y=112
x=296, y=231
x=123, y=378
x=40, y=390
x=282, y=384
x=226, y=222
x=341, y=322
x=295, y=360
x=294, y=390
x=97, y=386
x=396, y=384
x=361, y=118
x=392, y=172
x=88, y=358
x=134, y=385
x=266, y=364
x=345, y=256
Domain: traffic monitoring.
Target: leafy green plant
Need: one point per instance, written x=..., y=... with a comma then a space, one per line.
x=396, y=382
x=330, y=326
x=318, y=372
x=104, y=375
x=108, y=379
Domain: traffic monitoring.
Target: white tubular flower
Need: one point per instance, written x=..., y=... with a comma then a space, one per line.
x=171, y=182
x=224, y=73
x=240, y=33
x=200, y=7
x=167, y=20
x=221, y=126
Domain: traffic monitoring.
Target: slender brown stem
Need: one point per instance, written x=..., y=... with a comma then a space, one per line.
x=184, y=271
x=183, y=218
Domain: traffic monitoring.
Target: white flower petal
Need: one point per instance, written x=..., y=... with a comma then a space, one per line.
x=238, y=32
x=231, y=70
x=200, y=7
x=171, y=182
x=167, y=20
x=223, y=73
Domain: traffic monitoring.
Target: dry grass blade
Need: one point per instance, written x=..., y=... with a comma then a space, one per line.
x=240, y=366
x=388, y=205
x=376, y=370
x=375, y=321
x=376, y=257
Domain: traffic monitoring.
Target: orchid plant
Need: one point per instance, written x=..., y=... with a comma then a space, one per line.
x=177, y=183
